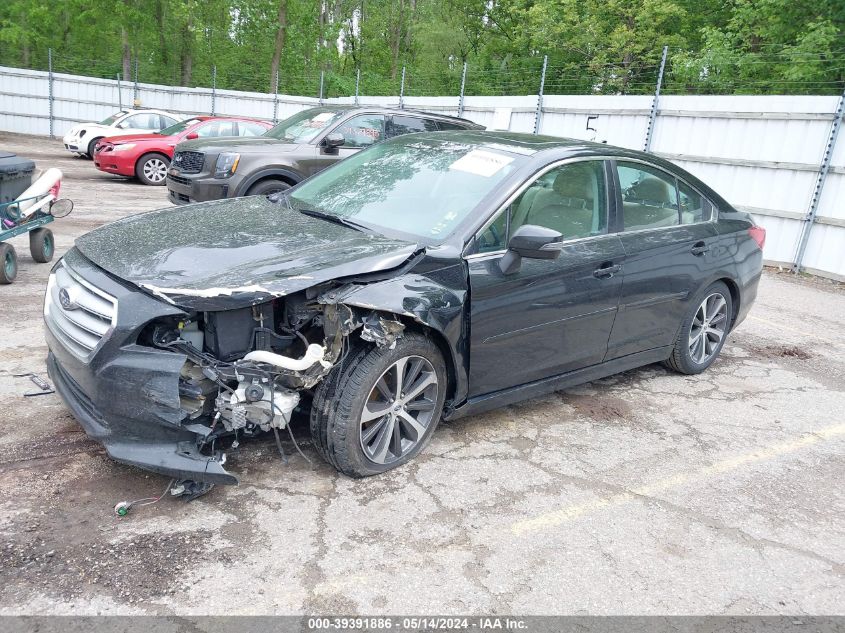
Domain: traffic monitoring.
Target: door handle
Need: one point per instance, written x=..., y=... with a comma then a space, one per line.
x=606, y=271
x=699, y=248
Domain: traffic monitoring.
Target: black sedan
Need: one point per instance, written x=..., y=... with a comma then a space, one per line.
x=430, y=277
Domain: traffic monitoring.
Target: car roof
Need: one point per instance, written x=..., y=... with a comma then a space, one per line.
x=516, y=142
x=395, y=110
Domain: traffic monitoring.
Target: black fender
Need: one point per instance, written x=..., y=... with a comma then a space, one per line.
x=436, y=302
x=267, y=172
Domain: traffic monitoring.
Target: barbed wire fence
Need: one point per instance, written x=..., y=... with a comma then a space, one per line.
x=768, y=70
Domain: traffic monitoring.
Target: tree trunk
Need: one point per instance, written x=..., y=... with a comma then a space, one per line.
x=127, y=54
x=186, y=60
x=162, y=42
x=279, y=45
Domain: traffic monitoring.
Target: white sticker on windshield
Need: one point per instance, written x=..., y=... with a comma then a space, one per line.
x=481, y=163
x=322, y=117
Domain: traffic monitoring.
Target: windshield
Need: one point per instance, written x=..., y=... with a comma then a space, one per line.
x=421, y=187
x=306, y=125
x=114, y=117
x=178, y=127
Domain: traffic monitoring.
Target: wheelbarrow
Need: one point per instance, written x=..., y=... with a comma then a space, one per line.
x=30, y=214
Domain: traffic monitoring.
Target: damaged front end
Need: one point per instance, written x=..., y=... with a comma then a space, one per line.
x=173, y=392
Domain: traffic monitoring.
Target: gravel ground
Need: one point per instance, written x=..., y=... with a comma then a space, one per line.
x=644, y=493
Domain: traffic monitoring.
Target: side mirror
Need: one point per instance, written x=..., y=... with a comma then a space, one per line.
x=533, y=242
x=332, y=141
x=191, y=136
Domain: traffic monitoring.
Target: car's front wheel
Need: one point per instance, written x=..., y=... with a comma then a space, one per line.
x=92, y=146
x=152, y=169
x=268, y=187
x=378, y=409
x=703, y=331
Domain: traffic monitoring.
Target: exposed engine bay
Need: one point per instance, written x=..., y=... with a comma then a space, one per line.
x=246, y=368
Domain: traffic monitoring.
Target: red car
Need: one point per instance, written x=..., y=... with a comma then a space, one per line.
x=147, y=156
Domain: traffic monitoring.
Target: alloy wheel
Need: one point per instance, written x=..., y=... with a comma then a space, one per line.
x=399, y=410
x=155, y=170
x=708, y=328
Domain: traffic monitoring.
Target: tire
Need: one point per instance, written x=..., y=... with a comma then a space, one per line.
x=337, y=426
x=42, y=246
x=8, y=263
x=151, y=169
x=266, y=187
x=696, y=348
x=92, y=145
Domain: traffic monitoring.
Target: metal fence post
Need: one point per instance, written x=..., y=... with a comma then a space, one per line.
x=136, y=101
x=276, y=98
x=213, y=88
x=119, y=94
x=357, y=83
x=652, y=116
x=824, y=168
x=402, y=90
x=463, y=85
x=50, y=87
x=322, y=75
x=539, y=111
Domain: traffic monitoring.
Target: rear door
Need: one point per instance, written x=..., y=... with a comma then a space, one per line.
x=668, y=238
x=551, y=316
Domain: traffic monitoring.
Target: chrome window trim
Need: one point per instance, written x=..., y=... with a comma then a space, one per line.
x=714, y=210
x=713, y=207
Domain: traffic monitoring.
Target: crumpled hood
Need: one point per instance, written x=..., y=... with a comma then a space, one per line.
x=227, y=254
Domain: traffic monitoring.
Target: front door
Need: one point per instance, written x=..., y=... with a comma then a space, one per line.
x=550, y=316
x=359, y=132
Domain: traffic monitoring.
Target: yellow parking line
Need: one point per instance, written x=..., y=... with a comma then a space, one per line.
x=787, y=328
x=569, y=513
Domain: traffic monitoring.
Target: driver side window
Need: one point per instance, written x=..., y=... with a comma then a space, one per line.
x=570, y=199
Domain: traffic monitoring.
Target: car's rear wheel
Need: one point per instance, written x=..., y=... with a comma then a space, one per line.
x=379, y=409
x=93, y=146
x=152, y=169
x=8, y=263
x=267, y=187
x=703, y=331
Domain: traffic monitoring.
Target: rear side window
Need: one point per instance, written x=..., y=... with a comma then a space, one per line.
x=167, y=121
x=400, y=125
x=363, y=130
x=694, y=207
x=649, y=197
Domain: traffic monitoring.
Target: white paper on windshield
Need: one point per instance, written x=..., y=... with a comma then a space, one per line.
x=481, y=163
x=322, y=117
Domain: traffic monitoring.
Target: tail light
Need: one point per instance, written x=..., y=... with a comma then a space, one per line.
x=758, y=234
x=54, y=190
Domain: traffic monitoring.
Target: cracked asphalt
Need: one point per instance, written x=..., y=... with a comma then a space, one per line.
x=644, y=493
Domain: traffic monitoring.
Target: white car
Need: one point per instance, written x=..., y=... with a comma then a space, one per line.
x=82, y=137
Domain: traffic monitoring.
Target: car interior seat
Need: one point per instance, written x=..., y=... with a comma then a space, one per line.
x=650, y=203
x=570, y=206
